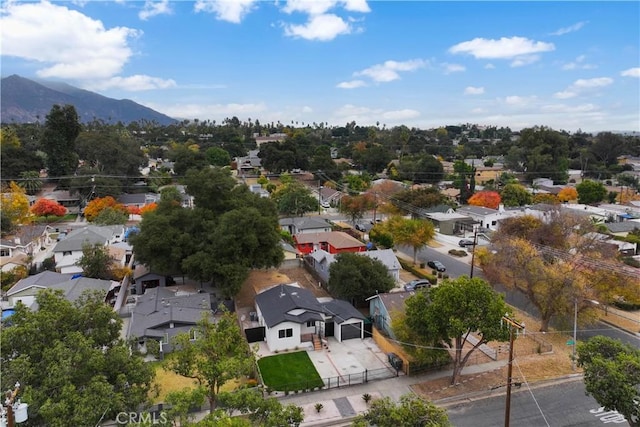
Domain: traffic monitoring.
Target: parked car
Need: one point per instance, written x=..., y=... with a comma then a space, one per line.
x=465, y=242
x=325, y=205
x=361, y=227
x=437, y=265
x=416, y=284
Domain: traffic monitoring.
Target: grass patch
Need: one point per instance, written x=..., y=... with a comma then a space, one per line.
x=168, y=381
x=289, y=372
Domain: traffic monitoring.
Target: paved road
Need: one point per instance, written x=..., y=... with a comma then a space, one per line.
x=457, y=267
x=560, y=405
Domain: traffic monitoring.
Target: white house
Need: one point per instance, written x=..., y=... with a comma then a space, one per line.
x=293, y=317
x=68, y=251
x=321, y=261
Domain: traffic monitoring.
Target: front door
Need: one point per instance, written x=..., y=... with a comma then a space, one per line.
x=328, y=329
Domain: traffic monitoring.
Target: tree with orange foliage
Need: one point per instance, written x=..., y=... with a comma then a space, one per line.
x=94, y=207
x=133, y=210
x=567, y=194
x=545, y=198
x=148, y=208
x=46, y=207
x=487, y=199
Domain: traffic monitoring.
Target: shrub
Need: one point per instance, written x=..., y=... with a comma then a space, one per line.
x=153, y=347
x=319, y=407
x=366, y=397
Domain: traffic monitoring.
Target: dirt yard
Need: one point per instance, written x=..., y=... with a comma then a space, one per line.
x=529, y=366
x=264, y=279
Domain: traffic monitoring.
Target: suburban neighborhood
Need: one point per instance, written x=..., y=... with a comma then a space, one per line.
x=324, y=294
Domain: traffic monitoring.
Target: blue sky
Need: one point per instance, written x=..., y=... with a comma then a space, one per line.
x=566, y=65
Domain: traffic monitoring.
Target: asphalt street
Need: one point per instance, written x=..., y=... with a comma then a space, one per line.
x=560, y=405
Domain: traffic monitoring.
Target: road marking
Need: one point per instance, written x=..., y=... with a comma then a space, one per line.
x=607, y=417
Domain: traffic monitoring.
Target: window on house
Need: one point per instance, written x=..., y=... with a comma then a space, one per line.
x=65, y=253
x=5, y=252
x=311, y=324
x=285, y=333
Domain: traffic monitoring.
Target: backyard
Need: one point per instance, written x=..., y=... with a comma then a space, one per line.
x=289, y=372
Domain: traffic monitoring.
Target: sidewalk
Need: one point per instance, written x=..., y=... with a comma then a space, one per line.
x=339, y=405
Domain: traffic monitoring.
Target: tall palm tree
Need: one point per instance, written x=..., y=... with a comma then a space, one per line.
x=30, y=181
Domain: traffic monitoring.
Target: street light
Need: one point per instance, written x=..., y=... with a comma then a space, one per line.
x=473, y=253
x=13, y=411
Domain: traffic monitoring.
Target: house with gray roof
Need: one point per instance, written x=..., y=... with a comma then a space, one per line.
x=162, y=313
x=304, y=224
x=291, y=316
x=25, y=290
x=320, y=261
x=384, y=307
x=68, y=251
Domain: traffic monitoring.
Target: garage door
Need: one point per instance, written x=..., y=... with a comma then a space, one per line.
x=350, y=331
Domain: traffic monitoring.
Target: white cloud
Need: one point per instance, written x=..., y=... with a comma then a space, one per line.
x=388, y=71
x=209, y=111
x=400, y=115
x=569, y=29
x=356, y=6
x=504, y=48
x=562, y=108
x=565, y=94
x=453, y=68
x=631, y=72
x=307, y=109
x=319, y=27
x=153, y=8
x=471, y=90
x=519, y=101
x=132, y=83
x=315, y=7
x=489, y=67
x=590, y=83
x=226, y=10
x=578, y=64
x=319, y=7
x=581, y=85
x=521, y=61
x=67, y=43
x=351, y=84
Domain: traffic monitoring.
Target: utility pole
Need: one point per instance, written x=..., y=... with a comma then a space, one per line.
x=575, y=333
x=473, y=254
x=512, y=324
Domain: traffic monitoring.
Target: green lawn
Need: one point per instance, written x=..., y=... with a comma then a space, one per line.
x=289, y=372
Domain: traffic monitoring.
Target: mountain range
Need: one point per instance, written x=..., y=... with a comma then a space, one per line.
x=25, y=101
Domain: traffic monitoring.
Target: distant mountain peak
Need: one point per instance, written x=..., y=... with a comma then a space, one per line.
x=25, y=101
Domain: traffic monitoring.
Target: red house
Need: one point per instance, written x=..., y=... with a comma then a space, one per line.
x=333, y=242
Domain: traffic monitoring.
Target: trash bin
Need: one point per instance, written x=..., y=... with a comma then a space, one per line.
x=395, y=361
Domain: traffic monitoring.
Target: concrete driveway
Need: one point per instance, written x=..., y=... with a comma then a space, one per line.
x=346, y=362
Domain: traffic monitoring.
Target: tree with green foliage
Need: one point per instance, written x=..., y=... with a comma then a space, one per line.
x=72, y=365
x=218, y=156
x=464, y=179
x=294, y=199
x=545, y=154
x=420, y=169
x=96, y=262
x=411, y=410
x=30, y=181
x=415, y=233
x=515, y=195
x=612, y=375
x=591, y=192
x=268, y=412
x=62, y=127
x=218, y=355
x=355, y=277
x=449, y=313
x=406, y=200
x=111, y=216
